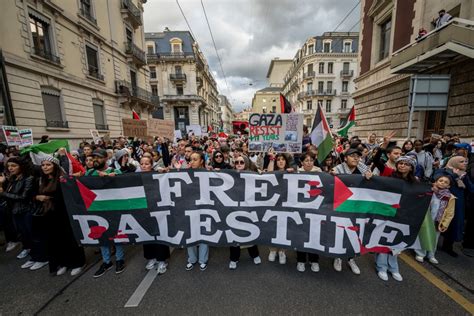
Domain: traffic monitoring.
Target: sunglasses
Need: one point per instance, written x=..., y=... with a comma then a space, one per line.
x=240, y=162
x=218, y=156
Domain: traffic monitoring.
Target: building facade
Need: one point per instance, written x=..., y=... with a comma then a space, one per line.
x=267, y=100
x=180, y=76
x=322, y=72
x=226, y=114
x=277, y=70
x=391, y=53
x=74, y=65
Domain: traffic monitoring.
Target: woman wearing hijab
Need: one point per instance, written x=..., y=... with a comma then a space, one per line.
x=217, y=162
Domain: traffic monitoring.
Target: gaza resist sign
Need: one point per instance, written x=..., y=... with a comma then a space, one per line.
x=314, y=212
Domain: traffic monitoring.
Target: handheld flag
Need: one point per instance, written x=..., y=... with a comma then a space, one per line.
x=321, y=135
x=285, y=104
x=135, y=115
x=348, y=123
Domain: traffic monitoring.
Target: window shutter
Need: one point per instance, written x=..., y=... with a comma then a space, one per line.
x=99, y=112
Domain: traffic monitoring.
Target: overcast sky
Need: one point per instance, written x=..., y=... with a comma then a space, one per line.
x=249, y=33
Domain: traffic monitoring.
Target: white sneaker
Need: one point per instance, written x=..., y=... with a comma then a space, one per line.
x=419, y=258
x=300, y=266
x=272, y=256
x=337, y=264
x=61, y=271
x=383, y=275
x=353, y=265
x=257, y=260
x=433, y=260
x=161, y=267
x=76, y=271
x=23, y=254
x=233, y=265
x=11, y=245
x=38, y=265
x=27, y=264
x=397, y=276
x=150, y=264
x=315, y=267
x=282, y=257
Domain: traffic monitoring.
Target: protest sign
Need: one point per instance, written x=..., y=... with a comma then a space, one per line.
x=282, y=132
x=95, y=135
x=135, y=128
x=339, y=216
x=177, y=135
x=162, y=128
x=26, y=136
x=194, y=129
x=11, y=135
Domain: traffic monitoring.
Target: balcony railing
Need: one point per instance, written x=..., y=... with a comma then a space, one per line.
x=126, y=89
x=102, y=127
x=138, y=55
x=343, y=111
x=133, y=13
x=347, y=73
x=171, y=56
x=94, y=72
x=60, y=124
x=309, y=74
x=47, y=55
x=345, y=93
x=326, y=92
x=88, y=15
x=178, y=77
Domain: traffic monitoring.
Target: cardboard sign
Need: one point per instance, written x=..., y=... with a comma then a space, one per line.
x=194, y=129
x=177, y=135
x=95, y=135
x=162, y=128
x=282, y=132
x=26, y=136
x=11, y=135
x=135, y=128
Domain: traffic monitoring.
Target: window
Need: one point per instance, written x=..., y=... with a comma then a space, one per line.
x=308, y=122
x=329, y=86
x=99, y=116
x=129, y=36
x=328, y=106
x=154, y=89
x=178, y=70
x=150, y=50
x=40, y=32
x=179, y=90
x=153, y=72
x=310, y=68
x=345, y=68
x=320, y=103
x=343, y=104
x=309, y=87
x=385, y=30
x=176, y=48
x=309, y=105
x=86, y=10
x=310, y=49
x=330, y=66
x=321, y=68
x=320, y=86
x=52, y=108
x=93, y=62
x=347, y=47
x=274, y=109
x=345, y=86
x=327, y=47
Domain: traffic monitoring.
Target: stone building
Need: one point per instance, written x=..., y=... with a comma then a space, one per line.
x=226, y=114
x=267, y=100
x=180, y=76
x=390, y=54
x=322, y=72
x=277, y=71
x=74, y=65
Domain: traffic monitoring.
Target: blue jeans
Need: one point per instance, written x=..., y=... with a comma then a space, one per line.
x=429, y=254
x=105, y=250
x=386, y=262
x=203, y=254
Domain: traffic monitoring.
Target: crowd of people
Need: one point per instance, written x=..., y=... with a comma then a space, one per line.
x=33, y=212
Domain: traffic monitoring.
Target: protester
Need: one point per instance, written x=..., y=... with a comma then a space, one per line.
x=442, y=19
x=372, y=142
x=407, y=147
x=425, y=160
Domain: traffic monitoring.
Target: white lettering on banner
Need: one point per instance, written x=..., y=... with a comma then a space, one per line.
x=314, y=241
x=196, y=224
x=166, y=188
x=293, y=193
x=345, y=226
x=232, y=222
x=205, y=188
x=251, y=190
x=379, y=232
x=135, y=229
x=85, y=228
x=282, y=225
x=162, y=220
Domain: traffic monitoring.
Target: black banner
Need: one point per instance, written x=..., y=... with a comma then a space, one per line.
x=315, y=212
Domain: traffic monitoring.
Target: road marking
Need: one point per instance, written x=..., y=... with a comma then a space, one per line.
x=446, y=289
x=143, y=287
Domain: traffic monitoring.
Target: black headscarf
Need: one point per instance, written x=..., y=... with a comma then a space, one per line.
x=220, y=165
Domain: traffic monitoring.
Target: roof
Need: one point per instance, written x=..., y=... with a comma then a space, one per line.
x=270, y=89
x=162, y=40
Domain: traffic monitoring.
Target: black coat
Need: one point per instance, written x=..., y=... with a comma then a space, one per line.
x=18, y=194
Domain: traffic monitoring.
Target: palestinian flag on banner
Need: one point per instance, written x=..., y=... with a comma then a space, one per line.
x=113, y=197
x=321, y=135
x=348, y=123
x=135, y=115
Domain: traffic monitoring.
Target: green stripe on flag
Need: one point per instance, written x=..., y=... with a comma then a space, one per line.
x=343, y=131
x=325, y=148
x=118, y=205
x=427, y=233
x=48, y=148
x=370, y=207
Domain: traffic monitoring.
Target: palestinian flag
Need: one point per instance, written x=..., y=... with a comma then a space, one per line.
x=321, y=135
x=135, y=115
x=348, y=123
x=365, y=200
x=285, y=105
x=113, y=198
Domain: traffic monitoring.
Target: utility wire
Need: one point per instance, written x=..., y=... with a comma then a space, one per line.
x=184, y=16
x=347, y=15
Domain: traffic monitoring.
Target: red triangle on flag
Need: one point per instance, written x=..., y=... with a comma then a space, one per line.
x=341, y=192
x=87, y=195
x=135, y=115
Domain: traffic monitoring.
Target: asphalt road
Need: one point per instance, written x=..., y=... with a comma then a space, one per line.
x=269, y=288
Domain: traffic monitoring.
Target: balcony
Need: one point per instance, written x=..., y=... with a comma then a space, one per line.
x=95, y=73
x=102, y=127
x=47, y=55
x=453, y=40
x=346, y=73
x=306, y=94
x=308, y=75
x=183, y=97
x=180, y=56
x=294, y=85
x=88, y=15
x=345, y=94
x=309, y=111
x=132, y=13
x=134, y=52
x=178, y=77
x=327, y=92
x=343, y=112
x=57, y=124
x=136, y=94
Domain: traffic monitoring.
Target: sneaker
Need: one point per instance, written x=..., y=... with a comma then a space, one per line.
x=119, y=266
x=353, y=265
x=397, y=276
x=61, y=271
x=433, y=260
x=337, y=264
x=23, y=254
x=419, y=258
x=383, y=275
x=38, y=265
x=27, y=264
x=257, y=260
x=103, y=268
x=272, y=256
x=11, y=245
x=150, y=264
x=233, y=265
x=315, y=267
x=189, y=266
x=76, y=271
x=282, y=257
x=300, y=266
x=202, y=266
x=161, y=267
